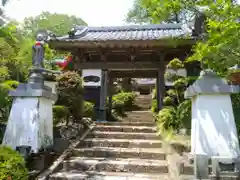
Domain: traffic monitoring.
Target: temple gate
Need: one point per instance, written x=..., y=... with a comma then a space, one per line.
x=126, y=52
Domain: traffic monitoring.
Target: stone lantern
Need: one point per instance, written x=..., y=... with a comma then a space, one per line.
x=213, y=133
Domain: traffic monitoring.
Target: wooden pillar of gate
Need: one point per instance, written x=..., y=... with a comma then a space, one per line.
x=160, y=84
x=110, y=93
x=103, y=96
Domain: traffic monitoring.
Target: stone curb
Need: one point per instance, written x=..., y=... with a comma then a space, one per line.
x=174, y=151
x=56, y=164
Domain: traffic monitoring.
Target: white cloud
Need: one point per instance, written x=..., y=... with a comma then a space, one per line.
x=94, y=12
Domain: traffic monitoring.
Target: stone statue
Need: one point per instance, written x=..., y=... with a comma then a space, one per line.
x=38, y=51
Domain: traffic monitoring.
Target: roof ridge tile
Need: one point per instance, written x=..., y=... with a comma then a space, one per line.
x=129, y=27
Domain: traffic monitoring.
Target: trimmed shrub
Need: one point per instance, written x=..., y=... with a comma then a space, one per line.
x=171, y=93
x=184, y=114
x=12, y=165
x=180, y=83
x=175, y=64
x=168, y=101
x=154, y=106
x=118, y=107
x=70, y=89
x=88, y=110
x=60, y=114
x=166, y=119
x=169, y=76
x=122, y=102
x=125, y=98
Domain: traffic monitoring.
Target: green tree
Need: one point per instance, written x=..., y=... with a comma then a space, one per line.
x=15, y=53
x=8, y=50
x=220, y=49
x=138, y=14
x=60, y=24
x=146, y=11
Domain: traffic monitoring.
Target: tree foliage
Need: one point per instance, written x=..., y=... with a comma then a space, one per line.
x=16, y=41
x=220, y=48
x=138, y=14
x=122, y=102
x=157, y=11
x=59, y=24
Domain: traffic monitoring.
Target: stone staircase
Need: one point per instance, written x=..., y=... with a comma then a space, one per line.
x=118, y=150
x=126, y=150
x=144, y=101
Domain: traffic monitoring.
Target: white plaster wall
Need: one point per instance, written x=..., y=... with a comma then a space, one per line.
x=93, y=72
x=213, y=126
x=22, y=127
x=180, y=72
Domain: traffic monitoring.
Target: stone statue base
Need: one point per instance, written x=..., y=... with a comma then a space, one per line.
x=30, y=121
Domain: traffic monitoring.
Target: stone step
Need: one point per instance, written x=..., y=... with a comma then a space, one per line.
x=122, y=128
x=141, y=113
x=135, y=120
x=122, y=135
x=93, y=175
x=108, y=152
x=186, y=177
x=115, y=165
x=124, y=143
x=126, y=123
x=139, y=116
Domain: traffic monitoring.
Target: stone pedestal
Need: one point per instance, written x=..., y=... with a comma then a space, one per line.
x=213, y=130
x=30, y=121
x=225, y=166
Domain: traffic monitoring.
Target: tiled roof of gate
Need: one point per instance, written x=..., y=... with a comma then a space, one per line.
x=130, y=32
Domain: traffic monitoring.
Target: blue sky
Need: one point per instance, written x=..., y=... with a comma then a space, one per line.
x=94, y=12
